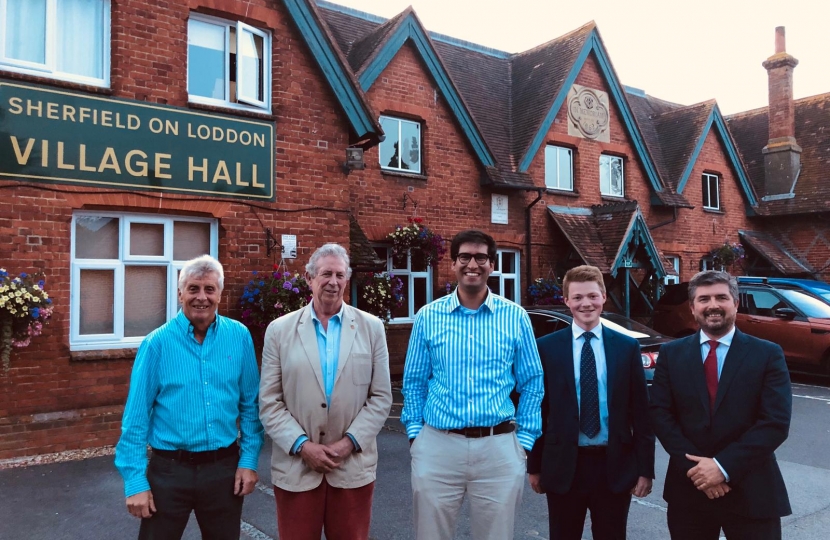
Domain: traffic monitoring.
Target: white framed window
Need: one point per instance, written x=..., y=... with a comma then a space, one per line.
x=60, y=39
x=708, y=263
x=504, y=280
x=401, y=151
x=611, y=178
x=416, y=277
x=559, y=168
x=228, y=63
x=675, y=264
x=711, y=191
x=124, y=273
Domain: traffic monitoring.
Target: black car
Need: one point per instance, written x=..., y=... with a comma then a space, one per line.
x=547, y=319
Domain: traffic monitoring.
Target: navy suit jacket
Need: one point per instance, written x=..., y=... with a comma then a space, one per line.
x=751, y=418
x=630, y=452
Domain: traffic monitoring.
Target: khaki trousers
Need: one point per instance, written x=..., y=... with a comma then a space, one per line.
x=446, y=467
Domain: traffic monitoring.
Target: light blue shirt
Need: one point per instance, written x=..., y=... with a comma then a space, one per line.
x=188, y=396
x=328, y=345
x=723, y=348
x=462, y=364
x=597, y=344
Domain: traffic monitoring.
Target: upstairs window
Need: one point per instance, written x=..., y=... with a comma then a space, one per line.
x=711, y=191
x=401, y=151
x=228, y=63
x=60, y=39
x=611, y=176
x=559, y=168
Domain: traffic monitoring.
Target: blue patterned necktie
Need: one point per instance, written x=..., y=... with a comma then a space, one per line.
x=588, y=389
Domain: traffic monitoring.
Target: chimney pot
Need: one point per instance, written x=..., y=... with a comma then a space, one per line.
x=780, y=40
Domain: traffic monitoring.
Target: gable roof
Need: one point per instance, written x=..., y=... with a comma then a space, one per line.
x=602, y=233
x=774, y=253
x=812, y=133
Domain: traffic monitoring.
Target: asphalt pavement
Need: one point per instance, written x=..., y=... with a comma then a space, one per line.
x=82, y=500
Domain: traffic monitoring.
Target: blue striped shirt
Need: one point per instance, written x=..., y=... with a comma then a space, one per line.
x=188, y=396
x=461, y=366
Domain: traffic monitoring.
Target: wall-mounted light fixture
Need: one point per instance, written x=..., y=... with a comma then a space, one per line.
x=354, y=160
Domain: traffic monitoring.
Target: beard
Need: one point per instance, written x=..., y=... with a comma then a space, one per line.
x=715, y=327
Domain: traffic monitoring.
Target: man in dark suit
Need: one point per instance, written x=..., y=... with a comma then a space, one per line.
x=597, y=448
x=721, y=404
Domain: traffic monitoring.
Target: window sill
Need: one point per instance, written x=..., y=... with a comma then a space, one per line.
x=250, y=113
x=400, y=174
x=714, y=211
x=614, y=198
x=59, y=82
x=562, y=192
x=103, y=355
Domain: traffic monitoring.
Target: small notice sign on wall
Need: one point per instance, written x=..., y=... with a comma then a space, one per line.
x=289, y=246
x=498, y=213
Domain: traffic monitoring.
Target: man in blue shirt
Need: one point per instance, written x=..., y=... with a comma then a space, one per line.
x=194, y=380
x=467, y=352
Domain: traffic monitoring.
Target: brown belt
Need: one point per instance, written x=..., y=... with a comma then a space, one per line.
x=478, y=432
x=198, y=458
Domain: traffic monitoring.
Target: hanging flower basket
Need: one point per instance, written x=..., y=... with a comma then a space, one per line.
x=24, y=308
x=416, y=237
x=545, y=292
x=727, y=254
x=380, y=294
x=268, y=296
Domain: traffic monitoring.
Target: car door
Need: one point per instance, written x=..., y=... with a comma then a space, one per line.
x=756, y=317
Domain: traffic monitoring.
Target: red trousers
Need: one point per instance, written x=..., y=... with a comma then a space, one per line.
x=345, y=514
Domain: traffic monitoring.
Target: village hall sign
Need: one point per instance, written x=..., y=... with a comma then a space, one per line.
x=49, y=135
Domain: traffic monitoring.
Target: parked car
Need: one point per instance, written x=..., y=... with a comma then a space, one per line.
x=547, y=319
x=818, y=288
x=785, y=314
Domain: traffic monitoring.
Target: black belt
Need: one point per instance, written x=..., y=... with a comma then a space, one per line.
x=592, y=449
x=477, y=432
x=197, y=458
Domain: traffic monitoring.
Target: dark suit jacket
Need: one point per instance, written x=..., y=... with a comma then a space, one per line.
x=751, y=419
x=630, y=452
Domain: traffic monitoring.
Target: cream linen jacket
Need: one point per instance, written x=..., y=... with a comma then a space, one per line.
x=292, y=399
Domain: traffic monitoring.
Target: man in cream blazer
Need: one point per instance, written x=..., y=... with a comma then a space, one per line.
x=324, y=396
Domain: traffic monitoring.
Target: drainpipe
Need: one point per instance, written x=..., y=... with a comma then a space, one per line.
x=528, y=237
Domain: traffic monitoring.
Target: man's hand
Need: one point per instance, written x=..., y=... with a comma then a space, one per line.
x=319, y=457
x=535, y=480
x=643, y=487
x=717, y=491
x=705, y=474
x=342, y=448
x=141, y=505
x=244, y=482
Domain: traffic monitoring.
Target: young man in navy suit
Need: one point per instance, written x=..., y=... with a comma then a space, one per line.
x=596, y=449
x=721, y=403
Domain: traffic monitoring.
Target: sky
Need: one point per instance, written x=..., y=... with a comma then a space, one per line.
x=684, y=52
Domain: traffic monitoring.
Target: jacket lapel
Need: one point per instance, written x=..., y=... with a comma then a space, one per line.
x=694, y=368
x=308, y=337
x=567, y=356
x=610, y=346
x=731, y=365
x=348, y=330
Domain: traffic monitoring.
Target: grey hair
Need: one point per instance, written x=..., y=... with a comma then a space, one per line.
x=712, y=277
x=328, y=250
x=199, y=267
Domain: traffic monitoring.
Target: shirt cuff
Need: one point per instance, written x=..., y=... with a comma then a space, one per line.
x=722, y=470
x=526, y=439
x=412, y=430
x=136, y=485
x=296, y=446
x=354, y=442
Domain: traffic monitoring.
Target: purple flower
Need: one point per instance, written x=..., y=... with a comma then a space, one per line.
x=296, y=290
x=287, y=285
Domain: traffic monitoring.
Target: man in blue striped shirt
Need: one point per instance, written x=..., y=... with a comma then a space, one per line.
x=194, y=380
x=467, y=352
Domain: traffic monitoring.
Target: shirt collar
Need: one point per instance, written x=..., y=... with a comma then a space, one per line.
x=725, y=340
x=338, y=315
x=454, y=302
x=577, y=331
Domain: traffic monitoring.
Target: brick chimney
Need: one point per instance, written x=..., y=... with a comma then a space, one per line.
x=782, y=155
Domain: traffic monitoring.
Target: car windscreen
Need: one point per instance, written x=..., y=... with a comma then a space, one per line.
x=627, y=326
x=809, y=305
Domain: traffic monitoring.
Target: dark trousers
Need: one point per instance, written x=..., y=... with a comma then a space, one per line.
x=179, y=488
x=706, y=523
x=344, y=513
x=589, y=491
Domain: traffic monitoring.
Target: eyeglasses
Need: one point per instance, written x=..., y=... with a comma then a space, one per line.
x=464, y=258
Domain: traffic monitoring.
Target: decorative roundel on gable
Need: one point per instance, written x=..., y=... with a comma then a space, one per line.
x=588, y=113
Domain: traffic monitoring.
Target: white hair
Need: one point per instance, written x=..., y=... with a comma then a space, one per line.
x=199, y=267
x=328, y=250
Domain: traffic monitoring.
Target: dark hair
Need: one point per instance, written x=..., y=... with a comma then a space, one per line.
x=712, y=277
x=583, y=274
x=473, y=236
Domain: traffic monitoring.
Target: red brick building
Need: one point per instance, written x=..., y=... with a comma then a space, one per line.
x=214, y=126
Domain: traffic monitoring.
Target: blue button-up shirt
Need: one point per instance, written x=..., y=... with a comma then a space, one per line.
x=188, y=396
x=462, y=364
x=597, y=344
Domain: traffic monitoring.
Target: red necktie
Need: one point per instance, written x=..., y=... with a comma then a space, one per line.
x=710, y=368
